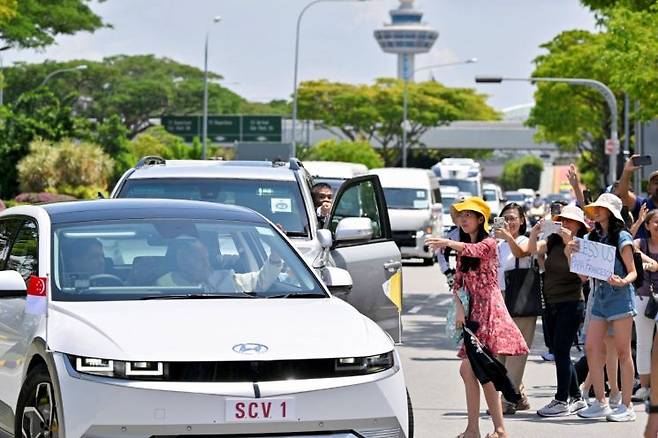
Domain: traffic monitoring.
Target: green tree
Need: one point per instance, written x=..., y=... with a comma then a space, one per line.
x=134, y=88
x=604, y=5
x=36, y=23
x=575, y=117
x=34, y=115
x=374, y=112
x=522, y=172
x=348, y=151
x=78, y=169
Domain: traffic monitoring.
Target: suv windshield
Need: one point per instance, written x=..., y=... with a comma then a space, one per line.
x=175, y=258
x=279, y=201
x=406, y=199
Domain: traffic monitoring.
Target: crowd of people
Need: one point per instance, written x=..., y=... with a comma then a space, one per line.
x=509, y=277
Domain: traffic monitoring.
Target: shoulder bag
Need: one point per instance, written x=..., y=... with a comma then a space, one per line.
x=523, y=291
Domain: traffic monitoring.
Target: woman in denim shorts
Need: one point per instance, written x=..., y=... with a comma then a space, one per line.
x=614, y=306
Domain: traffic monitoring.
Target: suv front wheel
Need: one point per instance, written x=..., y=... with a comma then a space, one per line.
x=36, y=412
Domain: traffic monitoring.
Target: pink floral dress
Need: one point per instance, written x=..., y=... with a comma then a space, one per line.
x=497, y=331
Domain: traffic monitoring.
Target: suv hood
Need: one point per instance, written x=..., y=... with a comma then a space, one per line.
x=405, y=220
x=207, y=329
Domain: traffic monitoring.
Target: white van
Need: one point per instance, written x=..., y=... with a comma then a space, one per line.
x=493, y=195
x=334, y=173
x=414, y=208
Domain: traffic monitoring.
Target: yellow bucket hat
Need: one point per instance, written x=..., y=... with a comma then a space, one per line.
x=474, y=203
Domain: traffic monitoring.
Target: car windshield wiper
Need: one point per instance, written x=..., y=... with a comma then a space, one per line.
x=296, y=234
x=198, y=296
x=298, y=295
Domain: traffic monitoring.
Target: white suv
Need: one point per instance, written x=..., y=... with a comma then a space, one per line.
x=282, y=193
x=162, y=318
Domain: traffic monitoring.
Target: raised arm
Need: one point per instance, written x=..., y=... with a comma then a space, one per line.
x=534, y=246
x=624, y=188
x=641, y=217
x=574, y=180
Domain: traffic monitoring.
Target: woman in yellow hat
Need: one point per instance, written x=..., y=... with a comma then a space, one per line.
x=477, y=272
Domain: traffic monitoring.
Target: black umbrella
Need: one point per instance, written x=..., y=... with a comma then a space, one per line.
x=485, y=366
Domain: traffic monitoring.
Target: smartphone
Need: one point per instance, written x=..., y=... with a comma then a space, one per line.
x=550, y=227
x=588, y=196
x=644, y=160
x=556, y=209
x=499, y=222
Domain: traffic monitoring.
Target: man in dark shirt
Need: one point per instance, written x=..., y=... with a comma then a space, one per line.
x=632, y=201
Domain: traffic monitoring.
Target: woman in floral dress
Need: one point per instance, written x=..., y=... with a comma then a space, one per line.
x=477, y=272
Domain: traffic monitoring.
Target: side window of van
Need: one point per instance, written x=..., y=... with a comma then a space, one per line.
x=8, y=229
x=24, y=255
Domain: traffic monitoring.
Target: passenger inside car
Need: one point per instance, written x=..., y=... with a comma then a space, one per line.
x=193, y=268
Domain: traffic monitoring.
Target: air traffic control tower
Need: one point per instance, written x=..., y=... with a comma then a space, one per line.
x=406, y=36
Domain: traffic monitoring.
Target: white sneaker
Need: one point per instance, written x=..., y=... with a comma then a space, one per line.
x=555, y=408
x=641, y=394
x=596, y=410
x=622, y=414
x=577, y=405
x=614, y=400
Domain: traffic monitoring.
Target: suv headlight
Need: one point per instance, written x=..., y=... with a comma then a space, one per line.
x=119, y=369
x=365, y=365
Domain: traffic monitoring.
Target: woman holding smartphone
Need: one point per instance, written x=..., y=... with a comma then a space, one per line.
x=477, y=272
x=563, y=294
x=513, y=254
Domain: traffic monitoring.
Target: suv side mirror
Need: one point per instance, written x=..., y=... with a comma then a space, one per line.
x=484, y=197
x=337, y=280
x=325, y=239
x=353, y=229
x=12, y=285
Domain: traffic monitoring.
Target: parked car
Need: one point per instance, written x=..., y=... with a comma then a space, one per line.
x=282, y=193
x=148, y=318
x=414, y=206
x=517, y=197
x=334, y=173
x=493, y=195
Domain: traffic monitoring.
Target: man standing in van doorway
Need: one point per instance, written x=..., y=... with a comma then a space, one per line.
x=322, y=200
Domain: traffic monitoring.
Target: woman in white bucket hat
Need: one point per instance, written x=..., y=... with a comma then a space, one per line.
x=613, y=305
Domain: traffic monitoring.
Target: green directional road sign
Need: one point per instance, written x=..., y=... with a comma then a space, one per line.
x=261, y=128
x=187, y=127
x=224, y=129
x=227, y=129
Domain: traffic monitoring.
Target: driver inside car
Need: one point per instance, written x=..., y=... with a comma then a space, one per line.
x=193, y=268
x=85, y=261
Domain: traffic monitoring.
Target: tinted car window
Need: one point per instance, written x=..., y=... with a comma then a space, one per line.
x=359, y=200
x=8, y=229
x=279, y=201
x=140, y=259
x=24, y=252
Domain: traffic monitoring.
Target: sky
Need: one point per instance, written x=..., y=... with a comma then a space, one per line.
x=253, y=45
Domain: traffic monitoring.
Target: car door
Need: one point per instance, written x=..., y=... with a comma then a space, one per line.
x=19, y=248
x=371, y=263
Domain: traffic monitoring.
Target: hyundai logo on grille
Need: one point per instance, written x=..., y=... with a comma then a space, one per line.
x=250, y=348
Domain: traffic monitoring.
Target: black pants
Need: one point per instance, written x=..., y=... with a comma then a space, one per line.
x=566, y=319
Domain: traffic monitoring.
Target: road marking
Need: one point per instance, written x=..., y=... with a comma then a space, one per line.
x=445, y=301
x=415, y=309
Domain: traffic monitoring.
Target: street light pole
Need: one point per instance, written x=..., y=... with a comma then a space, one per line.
x=62, y=70
x=294, y=89
x=607, y=93
x=204, y=129
x=405, y=100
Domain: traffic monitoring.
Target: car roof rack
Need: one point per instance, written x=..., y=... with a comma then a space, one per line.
x=295, y=164
x=150, y=160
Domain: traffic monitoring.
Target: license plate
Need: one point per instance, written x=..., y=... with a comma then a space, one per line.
x=241, y=410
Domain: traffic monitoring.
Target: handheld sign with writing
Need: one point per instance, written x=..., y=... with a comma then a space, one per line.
x=593, y=259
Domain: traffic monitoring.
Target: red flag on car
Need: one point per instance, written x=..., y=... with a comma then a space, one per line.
x=37, y=300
